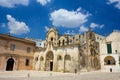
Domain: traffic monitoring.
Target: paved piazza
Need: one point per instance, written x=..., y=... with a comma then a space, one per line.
x=39, y=75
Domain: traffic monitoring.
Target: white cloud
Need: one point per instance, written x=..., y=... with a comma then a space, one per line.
x=13, y=3
x=94, y=25
x=69, y=19
x=46, y=28
x=43, y=2
x=117, y=5
x=83, y=29
x=17, y=27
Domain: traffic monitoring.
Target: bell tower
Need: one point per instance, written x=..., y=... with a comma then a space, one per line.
x=51, y=37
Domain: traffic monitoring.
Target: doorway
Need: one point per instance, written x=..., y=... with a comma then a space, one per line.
x=51, y=66
x=10, y=64
x=49, y=61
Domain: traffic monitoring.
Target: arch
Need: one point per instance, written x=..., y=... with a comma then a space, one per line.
x=63, y=42
x=67, y=63
x=59, y=57
x=41, y=58
x=59, y=43
x=10, y=64
x=109, y=60
x=49, y=55
x=49, y=61
x=67, y=57
x=36, y=59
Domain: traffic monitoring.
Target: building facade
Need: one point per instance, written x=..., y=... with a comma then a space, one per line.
x=39, y=43
x=16, y=53
x=110, y=52
x=67, y=53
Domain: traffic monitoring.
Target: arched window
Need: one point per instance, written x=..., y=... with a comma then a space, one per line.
x=36, y=58
x=59, y=43
x=63, y=42
x=59, y=57
x=49, y=56
x=109, y=60
x=67, y=57
x=51, y=38
x=41, y=58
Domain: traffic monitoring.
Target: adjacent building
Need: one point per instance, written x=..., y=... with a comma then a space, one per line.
x=16, y=53
x=39, y=43
x=110, y=52
x=68, y=53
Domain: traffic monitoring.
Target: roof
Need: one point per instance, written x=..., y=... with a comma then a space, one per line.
x=9, y=37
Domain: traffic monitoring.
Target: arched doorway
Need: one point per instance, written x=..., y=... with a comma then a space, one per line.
x=59, y=62
x=10, y=64
x=67, y=63
x=49, y=61
x=109, y=60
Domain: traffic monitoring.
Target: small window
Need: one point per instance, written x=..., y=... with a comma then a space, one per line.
x=27, y=62
x=73, y=37
x=36, y=58
x=59, y=43
x=12, y=47
x=70, y=41
x=109, y=48
x=67, y=57
x=28, y=49
x=76, y=39
x=41, y=58
x=51, y=38
x=63, y=42
x=59, y=58
x=40, y=44
x=97, y=37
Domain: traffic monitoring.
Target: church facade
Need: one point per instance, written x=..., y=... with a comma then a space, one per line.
x=68, y=53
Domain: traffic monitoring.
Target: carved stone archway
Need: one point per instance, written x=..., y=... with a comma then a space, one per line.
x=49, y=61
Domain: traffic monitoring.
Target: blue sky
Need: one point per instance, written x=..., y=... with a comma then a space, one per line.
x=32, y=18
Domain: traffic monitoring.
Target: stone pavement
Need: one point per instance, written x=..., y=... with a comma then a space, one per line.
x=42, y=75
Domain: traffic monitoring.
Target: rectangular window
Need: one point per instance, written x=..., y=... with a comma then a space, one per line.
x=12, y=47
x=28, y=49
x=109, y=49
x=27, y=62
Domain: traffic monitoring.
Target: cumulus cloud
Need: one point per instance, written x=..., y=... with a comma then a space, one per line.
x=16, y=27
x=13, y=3
x=46, y=28
x=83, y=29
x=69, y=19
x=94, y=25
x=117, y=5
x=43, y=2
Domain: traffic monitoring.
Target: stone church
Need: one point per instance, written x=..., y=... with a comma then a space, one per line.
x=68, y=53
